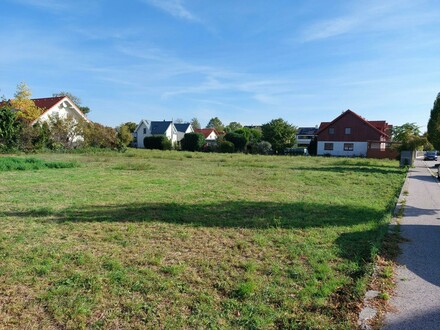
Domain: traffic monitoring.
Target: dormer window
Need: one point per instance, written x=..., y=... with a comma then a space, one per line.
x=331, y=130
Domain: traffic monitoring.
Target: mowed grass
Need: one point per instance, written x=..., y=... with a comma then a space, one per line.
x=149, y=239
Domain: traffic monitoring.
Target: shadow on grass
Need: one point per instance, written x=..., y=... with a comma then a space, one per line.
x=354, y=168
x=237, y=214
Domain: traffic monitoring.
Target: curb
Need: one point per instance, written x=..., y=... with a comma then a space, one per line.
x=369, y=312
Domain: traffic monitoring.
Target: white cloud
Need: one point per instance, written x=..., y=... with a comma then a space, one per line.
x=174, y=8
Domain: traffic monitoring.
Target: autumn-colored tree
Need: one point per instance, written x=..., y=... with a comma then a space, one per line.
x=27, y=111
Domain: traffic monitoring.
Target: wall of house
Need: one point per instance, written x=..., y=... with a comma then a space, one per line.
x=171, y=134
x=140, y=135
x=360, y=130
x=359, y=149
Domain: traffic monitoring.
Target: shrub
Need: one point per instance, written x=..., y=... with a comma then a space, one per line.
x=237, y=139
x=193, y=142
x=262, y=148
x=100, y=136
x=157, y=142
x=226, y=147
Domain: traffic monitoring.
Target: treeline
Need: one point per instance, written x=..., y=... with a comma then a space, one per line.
x=271, y=138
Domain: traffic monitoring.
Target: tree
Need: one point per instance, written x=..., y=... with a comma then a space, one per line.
x=131, y=126
x=9, y=128
x=193, y=142
x=409, y=136
x=195, y=123
x=100, y=136
x=280, y=134
x=434, y=124
x=27, y=111
x=226, y=147
x=216, y=123
x=233, y=126
x=237, y=139
x=75, y=99
x=124, y=134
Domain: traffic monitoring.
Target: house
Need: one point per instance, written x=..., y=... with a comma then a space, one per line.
x=155, y=128
x=183, y=129
x=305, y=135
x=352, y=135
x=210, y=135
x=59, y=106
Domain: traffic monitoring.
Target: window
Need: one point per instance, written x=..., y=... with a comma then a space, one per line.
x=348, y=130
x=348, y=146
x=328, y=146
x=331, y=131
x=145, y=131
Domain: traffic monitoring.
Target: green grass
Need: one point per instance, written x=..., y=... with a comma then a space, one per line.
x=149, y=239
x=22, y=164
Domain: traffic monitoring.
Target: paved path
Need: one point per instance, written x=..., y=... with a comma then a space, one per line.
x=417, y=299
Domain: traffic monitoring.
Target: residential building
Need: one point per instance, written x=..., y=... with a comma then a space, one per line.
x=352, y=135
x=305, y=135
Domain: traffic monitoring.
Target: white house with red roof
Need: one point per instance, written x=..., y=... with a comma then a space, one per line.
x=210, y=134
x=351, y=135
x=59, y=106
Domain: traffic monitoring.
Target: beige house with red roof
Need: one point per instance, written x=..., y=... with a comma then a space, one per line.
x=352, y=135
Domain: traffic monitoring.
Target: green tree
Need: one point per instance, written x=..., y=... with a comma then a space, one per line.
x=409, y=136
x=75, y=99
x=195, y=123
x=216, y=123
x=233, y=126
x=239, y=140
x=434, y=124
x=226, y=147
x=280, y=134
x=131, y=126
x=9, y=128
x=193, y=142
x=125, y=136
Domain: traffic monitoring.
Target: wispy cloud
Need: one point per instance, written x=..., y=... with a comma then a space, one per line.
x=52, y=5
x=175, y=8
x=371, y=16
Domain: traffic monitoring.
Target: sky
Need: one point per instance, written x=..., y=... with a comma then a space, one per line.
x=247, y=61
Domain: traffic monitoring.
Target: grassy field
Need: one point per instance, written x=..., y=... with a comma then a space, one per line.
x=149, y=239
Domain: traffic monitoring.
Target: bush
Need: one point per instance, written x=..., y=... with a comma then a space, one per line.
x=226, y=147
x=238, y=140
x=100, y=136
x=157, y=142
x=193, y=142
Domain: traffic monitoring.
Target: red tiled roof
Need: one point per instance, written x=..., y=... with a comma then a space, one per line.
x=206, y=131
x=47, y=102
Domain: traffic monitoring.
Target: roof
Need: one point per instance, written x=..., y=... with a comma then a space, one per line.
x=307, y=130
x=182, y=127
x=380, y=130
x=47, y=102
x=160, y=127
x=206, y=131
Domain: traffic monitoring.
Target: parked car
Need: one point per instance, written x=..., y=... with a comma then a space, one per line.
x=431, y=155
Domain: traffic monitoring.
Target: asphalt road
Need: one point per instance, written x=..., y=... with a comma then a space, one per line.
x=416, y=304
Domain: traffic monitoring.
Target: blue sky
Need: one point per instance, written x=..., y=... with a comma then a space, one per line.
x=249, y=61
